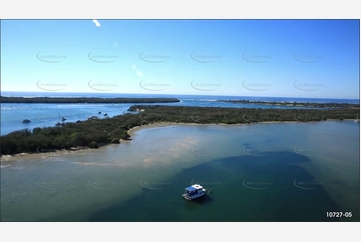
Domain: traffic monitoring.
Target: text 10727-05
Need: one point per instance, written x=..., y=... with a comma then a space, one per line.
x=338, y=214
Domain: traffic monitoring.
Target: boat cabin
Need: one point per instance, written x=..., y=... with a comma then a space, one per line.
x=193, y=192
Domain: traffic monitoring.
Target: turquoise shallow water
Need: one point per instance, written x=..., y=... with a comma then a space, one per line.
x=259, y=172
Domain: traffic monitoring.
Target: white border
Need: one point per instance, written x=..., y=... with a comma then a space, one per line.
x=186, y=9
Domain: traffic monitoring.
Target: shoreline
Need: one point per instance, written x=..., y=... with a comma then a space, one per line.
x=167, y=124
x=132, y=131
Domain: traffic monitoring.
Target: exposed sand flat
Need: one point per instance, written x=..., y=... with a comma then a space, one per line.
x=167, y=124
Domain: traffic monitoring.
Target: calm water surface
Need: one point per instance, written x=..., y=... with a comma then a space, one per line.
x=259, y=172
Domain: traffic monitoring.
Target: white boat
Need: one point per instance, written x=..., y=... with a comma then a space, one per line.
x=357, y=120
x=193, y=192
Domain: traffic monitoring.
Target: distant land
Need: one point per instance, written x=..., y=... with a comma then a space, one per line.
x=85, y=100
x=296, y=104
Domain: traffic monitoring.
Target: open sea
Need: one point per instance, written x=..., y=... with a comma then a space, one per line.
x=270, y=172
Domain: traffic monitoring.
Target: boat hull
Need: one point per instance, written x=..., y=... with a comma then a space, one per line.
x=190, y=198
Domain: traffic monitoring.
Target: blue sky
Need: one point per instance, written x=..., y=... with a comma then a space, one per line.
x=269, y=58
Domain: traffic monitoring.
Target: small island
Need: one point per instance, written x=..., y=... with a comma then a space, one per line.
x=98, y=132
x=85, y=100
